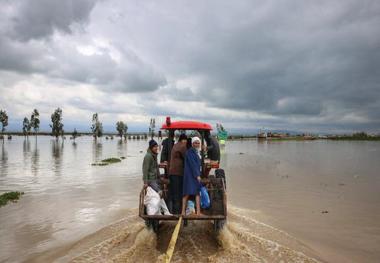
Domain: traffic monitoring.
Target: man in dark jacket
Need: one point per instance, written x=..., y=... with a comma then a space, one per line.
x=151, y=178
x=213, y=149
x=151, y=172
x=176, y=173
x=167, y=145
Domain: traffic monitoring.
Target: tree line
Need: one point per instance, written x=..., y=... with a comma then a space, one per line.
x=57, y=125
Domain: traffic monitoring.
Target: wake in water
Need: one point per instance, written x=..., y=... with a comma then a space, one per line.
x=243, y=239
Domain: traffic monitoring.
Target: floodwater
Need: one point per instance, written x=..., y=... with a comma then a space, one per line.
x=290, y=201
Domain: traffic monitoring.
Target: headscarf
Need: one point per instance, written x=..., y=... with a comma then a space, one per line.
x=194, y=139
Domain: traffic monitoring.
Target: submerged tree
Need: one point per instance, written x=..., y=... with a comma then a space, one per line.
x=25, y=127
x=57, y=125
x=121, y=128
x=35, y=121
x=125, y=131
x=360, y=135
x=3, y=121
x=97, y=126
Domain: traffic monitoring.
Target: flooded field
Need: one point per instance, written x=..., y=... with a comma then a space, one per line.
x=302, y=201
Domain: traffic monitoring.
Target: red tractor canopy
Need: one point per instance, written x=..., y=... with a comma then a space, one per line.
x=186, y=125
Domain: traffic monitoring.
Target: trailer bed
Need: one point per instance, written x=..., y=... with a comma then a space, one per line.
x=218, y=197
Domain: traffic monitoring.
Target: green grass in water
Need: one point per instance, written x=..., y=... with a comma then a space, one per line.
x=111, y=160
x=9, y=196
x=107, y=161
x=99, y=164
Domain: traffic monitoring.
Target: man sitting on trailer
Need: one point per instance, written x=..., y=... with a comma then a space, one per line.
x=151, y=172
x=176, y=173
x=151, y=177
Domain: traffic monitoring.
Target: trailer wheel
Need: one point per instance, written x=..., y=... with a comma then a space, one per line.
x=218, y=225
x=219, y=173
x=154, y=224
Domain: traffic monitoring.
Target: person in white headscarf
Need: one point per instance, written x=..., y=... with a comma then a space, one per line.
x=192, y=175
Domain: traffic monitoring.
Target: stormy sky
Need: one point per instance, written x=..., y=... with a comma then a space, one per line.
x=310, y=66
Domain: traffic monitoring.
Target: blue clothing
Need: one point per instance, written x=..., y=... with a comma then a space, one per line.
x=192, y=170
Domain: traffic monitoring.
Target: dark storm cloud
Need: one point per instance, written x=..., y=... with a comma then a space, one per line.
x=10, y=56
x=288, y=58
x=25, y=20
x=38, y=19
x=304, y=63
x=129, y=75
x=28, y=46
x=310, y=61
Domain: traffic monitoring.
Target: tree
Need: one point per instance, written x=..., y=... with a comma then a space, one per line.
x=3, y=121
x=360, y=135
x=97, y=126
x=125, y=131
x=120, y=126
x=25, y=126
x=57, y=125
x=75, y=134
x=152, y=126
x=35, y=121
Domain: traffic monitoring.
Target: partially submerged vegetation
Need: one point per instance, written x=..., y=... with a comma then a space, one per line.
x=291, y=138
x=9, y=196
x=111, y=160
x=108, y=161
x=359, y=136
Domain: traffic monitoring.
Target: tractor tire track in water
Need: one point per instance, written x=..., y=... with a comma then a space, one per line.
x=243, y=239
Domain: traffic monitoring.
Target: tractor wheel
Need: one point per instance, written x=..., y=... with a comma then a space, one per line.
x=218, y=225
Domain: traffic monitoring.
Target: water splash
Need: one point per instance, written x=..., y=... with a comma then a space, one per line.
x=243, y=239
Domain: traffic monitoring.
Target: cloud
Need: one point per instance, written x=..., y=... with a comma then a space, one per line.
x=49, y=38
x=40, y=18
x=247, y=63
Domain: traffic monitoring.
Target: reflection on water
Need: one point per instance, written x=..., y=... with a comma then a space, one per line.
x=3, y=160
x=121, y=147
x=57, y=209
x=97, y=148
x=287, y=183
x=57, y=148
x=26, y=147
x=35, y=158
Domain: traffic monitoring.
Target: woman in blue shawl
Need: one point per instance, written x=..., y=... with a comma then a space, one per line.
x=192, y=175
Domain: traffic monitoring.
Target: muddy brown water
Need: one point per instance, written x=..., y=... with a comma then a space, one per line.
x=288, y=202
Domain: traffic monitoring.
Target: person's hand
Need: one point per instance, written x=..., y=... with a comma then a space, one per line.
x=199, y=179
x=204, y=148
